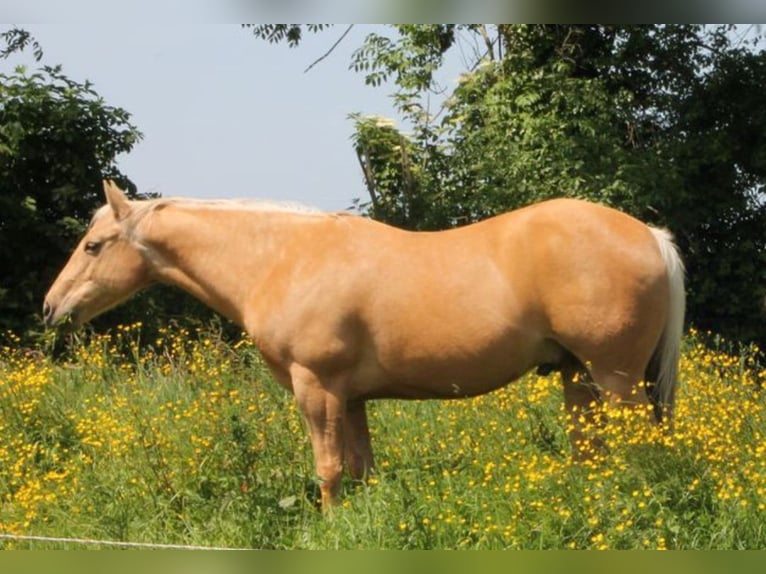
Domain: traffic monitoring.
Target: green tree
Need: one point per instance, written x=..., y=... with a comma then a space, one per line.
x=664, y=122
x=58, y=138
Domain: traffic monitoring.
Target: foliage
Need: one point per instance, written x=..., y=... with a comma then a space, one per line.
x=290, y=33
x=664, y=122
x=412, y=60
x=58, y=139
x=185, y=439
x=17, y=40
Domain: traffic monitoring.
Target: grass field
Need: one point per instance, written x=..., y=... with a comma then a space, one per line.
x=191, y=442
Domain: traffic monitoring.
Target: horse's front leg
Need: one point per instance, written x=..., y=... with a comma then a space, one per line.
x=324, y=409
x=358, y=455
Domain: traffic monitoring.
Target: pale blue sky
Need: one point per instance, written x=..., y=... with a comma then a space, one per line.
x=223, y=113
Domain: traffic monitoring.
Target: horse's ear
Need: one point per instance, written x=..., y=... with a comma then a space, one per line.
x=116, y=199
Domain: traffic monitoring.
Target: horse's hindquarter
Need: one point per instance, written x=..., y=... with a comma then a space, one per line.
x=600, y=278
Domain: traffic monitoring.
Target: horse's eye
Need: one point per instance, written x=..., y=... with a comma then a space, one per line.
x=92, y=247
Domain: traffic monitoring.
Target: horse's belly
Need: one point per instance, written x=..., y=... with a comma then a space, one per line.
x=453, y=369
x=432, y=381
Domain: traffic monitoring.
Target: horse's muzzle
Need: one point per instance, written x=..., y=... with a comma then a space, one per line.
x=47, y=314
x=51, y=317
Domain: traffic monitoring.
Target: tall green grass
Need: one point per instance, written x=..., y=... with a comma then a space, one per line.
x=187, y=440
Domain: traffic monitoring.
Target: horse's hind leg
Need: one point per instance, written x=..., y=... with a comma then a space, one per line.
x=584, y=394
x=625, y=389
x=358, y=450
x=582, y=400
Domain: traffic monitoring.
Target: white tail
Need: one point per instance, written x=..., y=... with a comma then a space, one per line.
x=664, y=365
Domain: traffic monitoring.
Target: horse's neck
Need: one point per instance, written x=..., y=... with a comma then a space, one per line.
x=221, y=257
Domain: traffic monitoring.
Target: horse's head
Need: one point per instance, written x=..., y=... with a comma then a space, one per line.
x=105, y=269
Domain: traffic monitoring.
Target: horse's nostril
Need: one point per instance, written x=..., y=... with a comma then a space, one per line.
x=47, y=311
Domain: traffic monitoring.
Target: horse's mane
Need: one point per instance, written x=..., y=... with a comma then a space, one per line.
x=237, y=204
x=142, y=207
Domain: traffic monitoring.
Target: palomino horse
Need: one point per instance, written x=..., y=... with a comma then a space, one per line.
x=345, y=309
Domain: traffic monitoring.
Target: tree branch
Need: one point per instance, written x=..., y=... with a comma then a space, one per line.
x=487, y=40
x=328, y=52
x=369, y=177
